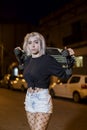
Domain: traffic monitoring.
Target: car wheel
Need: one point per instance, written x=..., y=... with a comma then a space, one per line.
x=76, y=97
x=52, y=93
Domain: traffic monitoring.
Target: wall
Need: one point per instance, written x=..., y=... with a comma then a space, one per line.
x=11, y=36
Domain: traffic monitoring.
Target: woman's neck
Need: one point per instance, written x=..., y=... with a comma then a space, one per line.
x=36, y=55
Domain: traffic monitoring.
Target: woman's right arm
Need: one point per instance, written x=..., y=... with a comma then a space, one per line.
x=20, y=56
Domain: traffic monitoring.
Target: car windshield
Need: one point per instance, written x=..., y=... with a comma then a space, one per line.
x=56, y=53
x=52, y=51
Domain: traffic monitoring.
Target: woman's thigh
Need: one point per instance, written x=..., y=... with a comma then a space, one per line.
x=31, y=119
x=42, y=120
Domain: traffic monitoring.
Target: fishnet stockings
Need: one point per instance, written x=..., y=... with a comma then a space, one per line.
x=38, y=121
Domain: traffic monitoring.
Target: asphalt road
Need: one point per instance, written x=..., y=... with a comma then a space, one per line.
x=67, y=115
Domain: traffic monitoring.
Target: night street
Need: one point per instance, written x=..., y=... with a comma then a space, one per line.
x=43, y=43
x=67, y=115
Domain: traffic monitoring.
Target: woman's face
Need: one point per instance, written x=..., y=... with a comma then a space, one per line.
x=34, y=45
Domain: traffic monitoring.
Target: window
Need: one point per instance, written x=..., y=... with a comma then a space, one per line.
x=75, y=80
x=79, y=61
x=76, y=27
x=85, y=80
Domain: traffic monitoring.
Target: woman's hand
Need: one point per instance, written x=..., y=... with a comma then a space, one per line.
x=71, y=51
x=18, y=48
x=70, y=57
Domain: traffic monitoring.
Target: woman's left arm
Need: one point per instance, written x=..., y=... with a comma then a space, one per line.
x=70, y=56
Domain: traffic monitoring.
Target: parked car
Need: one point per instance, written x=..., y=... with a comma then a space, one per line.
x=18, y=83
x=75, y=88
x=5, y=81
x=56, y=53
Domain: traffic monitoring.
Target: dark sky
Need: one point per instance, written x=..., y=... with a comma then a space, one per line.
x=18, y=11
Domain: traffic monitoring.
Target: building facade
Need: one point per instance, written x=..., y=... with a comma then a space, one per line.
x=68, y=27
x=11, y=36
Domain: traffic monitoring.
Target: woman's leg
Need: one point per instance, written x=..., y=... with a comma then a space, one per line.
x=31, y=119
x=41, y=121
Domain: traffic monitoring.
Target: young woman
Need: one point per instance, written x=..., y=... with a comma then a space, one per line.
x=38, y=68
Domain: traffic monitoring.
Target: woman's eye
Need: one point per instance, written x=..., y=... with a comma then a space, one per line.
x=36, y=42
x=29, y=42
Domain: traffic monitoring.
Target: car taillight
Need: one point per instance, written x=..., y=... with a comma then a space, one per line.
x=84, y=86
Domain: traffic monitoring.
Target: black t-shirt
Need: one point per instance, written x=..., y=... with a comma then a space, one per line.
x=37, y=71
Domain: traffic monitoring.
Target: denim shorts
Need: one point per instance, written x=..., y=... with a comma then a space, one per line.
x=38, y=101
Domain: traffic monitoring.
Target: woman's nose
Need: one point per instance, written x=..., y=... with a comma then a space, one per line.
x=33, y=44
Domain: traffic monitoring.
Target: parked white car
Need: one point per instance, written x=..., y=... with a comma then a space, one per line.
x=18, y=83
x=75, y=88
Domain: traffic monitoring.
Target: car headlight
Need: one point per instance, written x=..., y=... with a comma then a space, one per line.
x=53, y=84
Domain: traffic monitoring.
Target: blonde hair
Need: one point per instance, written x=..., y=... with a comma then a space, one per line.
x=39, y=36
